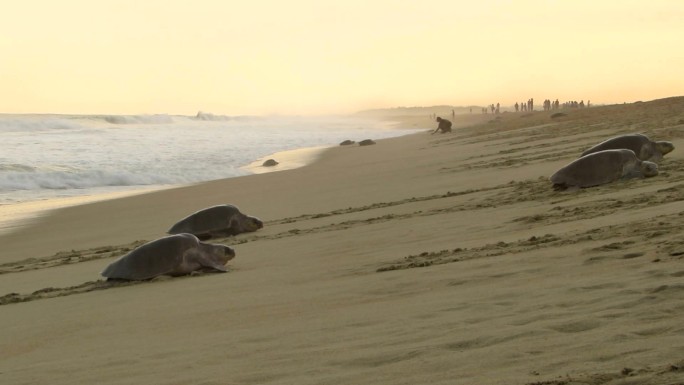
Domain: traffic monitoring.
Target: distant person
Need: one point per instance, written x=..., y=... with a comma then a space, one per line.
x=444, y=126
x=517, y=107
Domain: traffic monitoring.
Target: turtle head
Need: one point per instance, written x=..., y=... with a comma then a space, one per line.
x=228, y=252
x=649, y=169
x=214, y=255
x=664, y=147
x=218, y=253
x=251, y=223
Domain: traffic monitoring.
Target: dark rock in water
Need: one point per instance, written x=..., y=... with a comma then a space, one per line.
x=270, y=163
x=366, y=142
x=347, y=142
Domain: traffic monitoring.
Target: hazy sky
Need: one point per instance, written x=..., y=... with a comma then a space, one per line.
x=318, y=56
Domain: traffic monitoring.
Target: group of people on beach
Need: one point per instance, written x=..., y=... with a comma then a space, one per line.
x=529, y=106
x=495, y=109
x=549, y=105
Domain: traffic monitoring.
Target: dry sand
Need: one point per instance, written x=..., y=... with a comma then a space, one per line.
x=444, y=259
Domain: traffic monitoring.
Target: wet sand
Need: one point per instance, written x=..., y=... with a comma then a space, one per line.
x=443, y=259
x=18, y=215
x=287, y=160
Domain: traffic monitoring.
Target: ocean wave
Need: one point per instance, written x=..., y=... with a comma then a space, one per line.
x=136, y=119
x=34, y=123
x=26, y=178
x=38, y=123
x=211, y=117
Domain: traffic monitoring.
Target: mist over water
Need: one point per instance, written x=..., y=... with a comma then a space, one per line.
x=54, y=156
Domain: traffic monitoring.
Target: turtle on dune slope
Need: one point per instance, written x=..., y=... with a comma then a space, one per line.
x=643, y=147
x=602, y=167
x=216, y=221
x=173, y=255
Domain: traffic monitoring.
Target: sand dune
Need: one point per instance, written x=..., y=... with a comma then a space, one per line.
x=443, y=259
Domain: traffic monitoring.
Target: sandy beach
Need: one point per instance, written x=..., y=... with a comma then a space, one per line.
x=441, y=259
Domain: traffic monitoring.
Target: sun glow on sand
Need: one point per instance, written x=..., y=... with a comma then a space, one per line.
x=311, y=57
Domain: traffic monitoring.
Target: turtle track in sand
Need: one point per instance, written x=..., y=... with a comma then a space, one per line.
x=505, y=194
x=86, y=287
x=620, y=238
x=665, y=373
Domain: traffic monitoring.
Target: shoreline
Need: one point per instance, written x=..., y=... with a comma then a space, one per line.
x=23, y=214
x=19, y=215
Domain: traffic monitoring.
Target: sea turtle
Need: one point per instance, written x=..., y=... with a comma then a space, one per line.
x=347, y=142
x=270, y=163
x=643, y=147
x=171, y=255
x=366, y=142
x=216, y=221
x=602, y=167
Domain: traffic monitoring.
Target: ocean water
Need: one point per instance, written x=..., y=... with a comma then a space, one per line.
x=46, y=157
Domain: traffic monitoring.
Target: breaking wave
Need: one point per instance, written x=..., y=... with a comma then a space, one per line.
x=63, y=180
x=14, y=177
x=137, y=119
